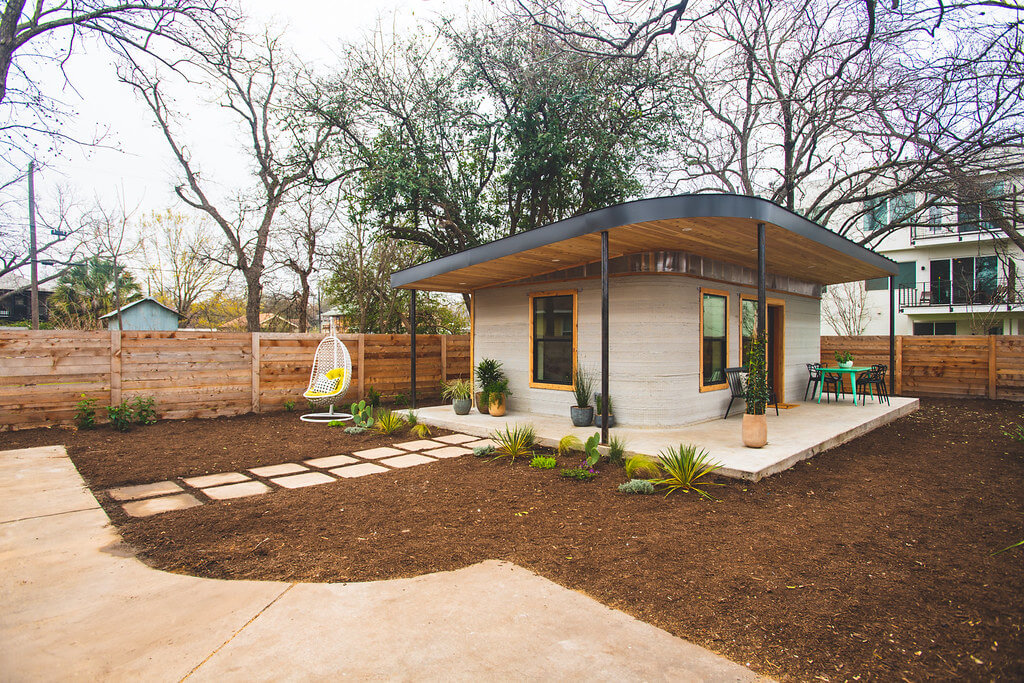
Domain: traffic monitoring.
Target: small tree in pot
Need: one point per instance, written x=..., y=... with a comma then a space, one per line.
x=582, y=413
x=488, y=371
x=460, y=392
x=755, y=424
x=496, y=393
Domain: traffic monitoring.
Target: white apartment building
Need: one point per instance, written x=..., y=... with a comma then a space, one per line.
x=958, y=274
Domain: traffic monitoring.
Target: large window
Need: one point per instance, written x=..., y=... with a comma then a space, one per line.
x=964, y=280
x=714, y=339
x=907, y=278
x=552, y=339
x=927, y=329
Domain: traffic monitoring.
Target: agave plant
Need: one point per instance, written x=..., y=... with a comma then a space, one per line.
x=514, y=442
x=684, y=467
x=389, y=422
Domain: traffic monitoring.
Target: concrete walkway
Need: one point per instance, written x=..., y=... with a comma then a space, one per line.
x=74, y=604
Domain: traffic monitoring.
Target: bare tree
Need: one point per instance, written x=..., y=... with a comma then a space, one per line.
x=845, y=308
x=257, y=83
x=110, y=238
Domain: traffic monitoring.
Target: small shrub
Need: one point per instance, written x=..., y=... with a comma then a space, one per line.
x=483, y=451
x=412, y=418
x=389, y=422
x=593, y=455
x=355, y=430
x=85, y=413
x=640, y=486
x=289, y=406
x=514, y=442
x=685, y=467
x=642, y=467
x=121, y=416
x=144, y=410
x=372, y=397
x=401, y=400
x=577, y=473
x=617, y=451
x=362, y=414
x=543, y=463
x=336, y=423
x=569, y=442
x=421, y=430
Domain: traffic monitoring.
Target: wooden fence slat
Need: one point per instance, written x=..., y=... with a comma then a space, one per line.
x=115, y=367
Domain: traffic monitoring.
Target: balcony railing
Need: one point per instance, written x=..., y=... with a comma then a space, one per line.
x=948, y=294
x=924, y=232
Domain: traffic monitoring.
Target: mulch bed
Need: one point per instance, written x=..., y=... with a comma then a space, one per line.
x=871, y=561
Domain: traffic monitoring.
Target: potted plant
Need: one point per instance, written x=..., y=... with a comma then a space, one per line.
x=488, y=371
x=844, y=358
x=755, y=423
x=496, y=392
x=599, y=414
x=460, y=392
x=582, y=413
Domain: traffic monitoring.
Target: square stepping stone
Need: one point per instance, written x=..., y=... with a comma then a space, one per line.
x=407, y=460
x=448, y=452
x=420, y=445
x=154, y=506
x=248, y=488
x=381, y=452
x=360, y=470
x=481, y=442
x=298, y=481
x=331, y=461
x=215, y=479
x=278, y=470
x=159, y=488
x=457, y=438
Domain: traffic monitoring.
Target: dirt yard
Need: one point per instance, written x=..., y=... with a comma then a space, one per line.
x=872, y=561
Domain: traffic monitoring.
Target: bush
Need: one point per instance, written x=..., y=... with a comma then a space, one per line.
x=616, y=451
x=514, y=442
x=372, y=397
x=355, y=430
x=483, y=451
x=121, y=416
x=577, y=473
x=642, y=467
x=289, y=406
x=543, y=463
x=401, y=400
x=389, y=422
x=641, y=486
x=336, y=423
x=569, y=442
x=144, y=410
x=85, y=413
x=685, y=467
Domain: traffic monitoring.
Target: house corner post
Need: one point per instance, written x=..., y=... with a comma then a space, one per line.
x=761, y=280
x=604, y=337
x=412, y=349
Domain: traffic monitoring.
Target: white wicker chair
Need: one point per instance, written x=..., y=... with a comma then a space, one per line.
x=326, y=387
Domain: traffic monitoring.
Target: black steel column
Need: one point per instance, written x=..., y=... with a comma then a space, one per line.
x=412, y=349
x=604, y=337
x=761, y=305
x=892, y=335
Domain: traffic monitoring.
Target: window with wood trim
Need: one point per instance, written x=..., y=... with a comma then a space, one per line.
x=714, y=339
x=552, y=339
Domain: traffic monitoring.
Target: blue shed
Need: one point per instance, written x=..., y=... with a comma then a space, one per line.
x=144, y=314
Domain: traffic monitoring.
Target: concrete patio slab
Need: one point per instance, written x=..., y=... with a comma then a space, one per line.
x=381, y=452
x=331, y=461
x=360, y=470
x=78, y=606
x=794, y=435
x=448, y=452
x=278, y=470
x=418, y=445
x=407, y=460
x=154, y=506
x=158, y=488
x=298, y=481
x=248, y=488
x=456, y=438
x=215, y=479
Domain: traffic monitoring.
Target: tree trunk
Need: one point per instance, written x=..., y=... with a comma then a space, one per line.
x=304, y=303
x=254, y=295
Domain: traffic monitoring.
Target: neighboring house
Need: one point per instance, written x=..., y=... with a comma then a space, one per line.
x=18, y=307
x=958, y=274
x=144, y=314
x=682, y=302
x=269, y=322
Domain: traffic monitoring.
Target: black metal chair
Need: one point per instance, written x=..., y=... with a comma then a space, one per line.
x=738, y=390
x=832, y=384
x=874, y=381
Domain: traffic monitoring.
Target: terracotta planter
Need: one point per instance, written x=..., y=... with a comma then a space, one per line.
x=755, y=430
x=581, y=417
x=461, y=406
x=497, y=405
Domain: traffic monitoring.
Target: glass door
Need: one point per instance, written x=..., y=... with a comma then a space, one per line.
x=940, y=281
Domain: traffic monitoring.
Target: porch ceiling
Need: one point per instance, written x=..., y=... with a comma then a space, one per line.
x=722, y=227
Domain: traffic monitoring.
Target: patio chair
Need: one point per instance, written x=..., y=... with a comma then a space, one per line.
x=874, y=381
x=738, y=388
x=832, y=384
x=329, y=379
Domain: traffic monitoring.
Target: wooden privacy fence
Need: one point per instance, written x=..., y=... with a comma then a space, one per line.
x=961, y=366
x=202, y=374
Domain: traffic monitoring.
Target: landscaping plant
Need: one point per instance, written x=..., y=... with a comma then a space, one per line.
x=599, y=400
x=577, y=473
x=483, y=451
x=289, y=406
x=616, y=451
x=488, y=371
x=354, y=430
x=372, y=397
x=544, y=463
x=569, y=442
x=362, y=414
x=757, y=377
x=456, y=389
x=336, y=423
x=144, y=410
x=85, y=413
x=421, y=430
x=593, y=455
x=1015, y=432
x=513, y=442
x=639, y=486
x=684, y=468
x=401, y=400
x=582, y=386
x=641, y=466
x=121, y=416
x=843, y=356
x=389, y=422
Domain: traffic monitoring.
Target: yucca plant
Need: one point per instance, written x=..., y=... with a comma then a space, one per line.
x=389, y=422
x=514, y=442
x=684, y=467
x=641, y=466
x=569, y=442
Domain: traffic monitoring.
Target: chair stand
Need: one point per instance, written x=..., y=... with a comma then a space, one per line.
x=330, y=416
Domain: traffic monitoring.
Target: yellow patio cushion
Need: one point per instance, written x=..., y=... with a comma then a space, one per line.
x=336, y=373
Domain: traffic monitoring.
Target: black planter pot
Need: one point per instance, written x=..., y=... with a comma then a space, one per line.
x=581, y=417
x=462, y=405
x=597, y=421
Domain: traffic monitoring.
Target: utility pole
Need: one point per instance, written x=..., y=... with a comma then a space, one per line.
x=34, y=268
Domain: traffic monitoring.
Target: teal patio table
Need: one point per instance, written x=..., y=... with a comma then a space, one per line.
x=839, y=372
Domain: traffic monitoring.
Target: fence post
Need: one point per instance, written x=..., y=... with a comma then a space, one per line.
x=991, y=366
x=898, y=371
x=115, y=367
x=444, y=358
x=362, y=366
x=255, y=355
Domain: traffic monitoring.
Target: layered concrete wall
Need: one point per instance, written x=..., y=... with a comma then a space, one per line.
x=653, y=345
